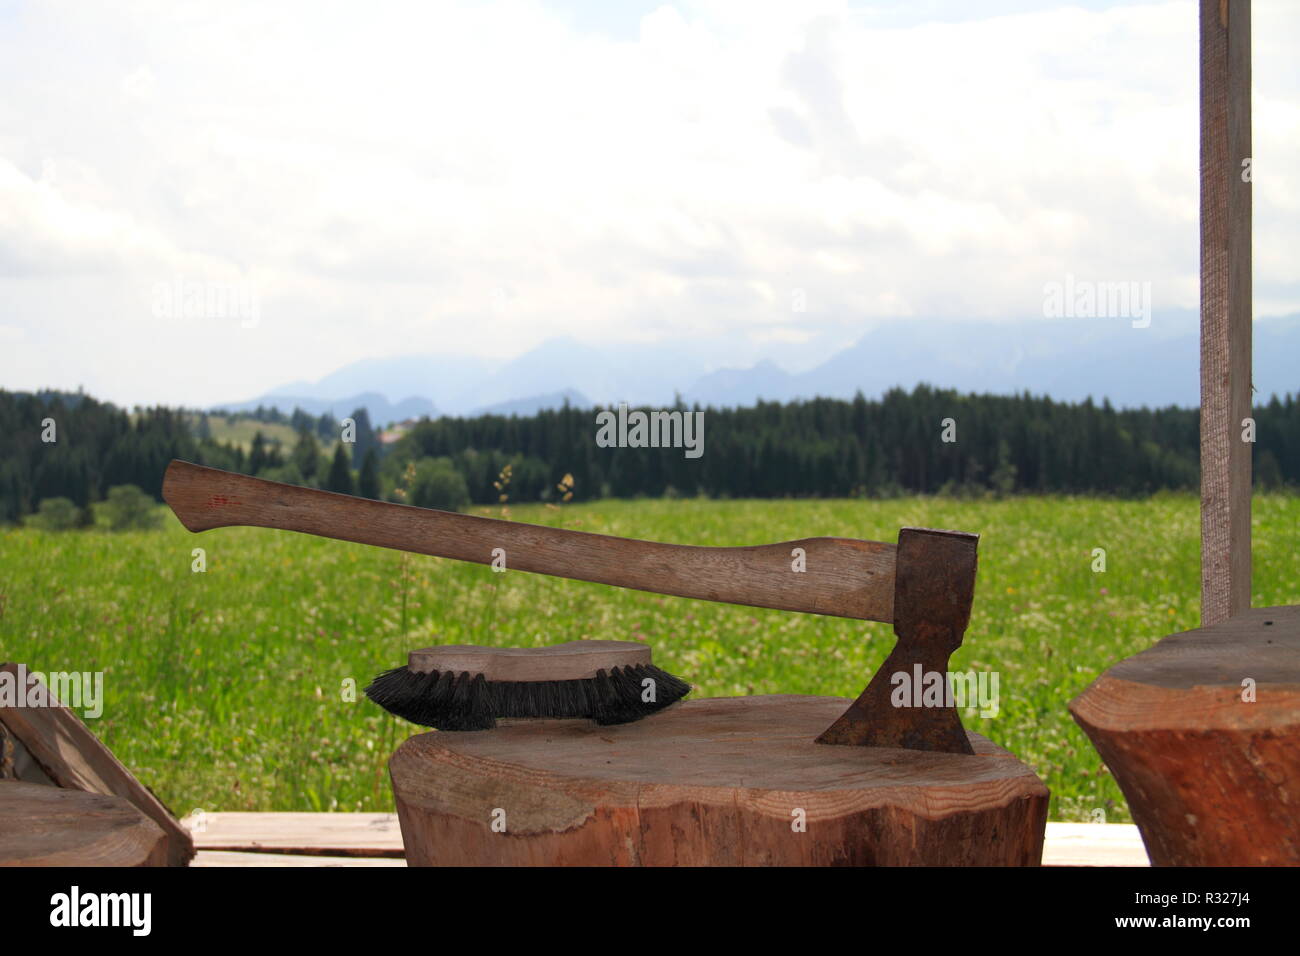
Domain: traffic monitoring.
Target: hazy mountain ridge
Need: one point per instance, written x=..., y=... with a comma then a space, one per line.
x=1066, y=359
x=381, y=410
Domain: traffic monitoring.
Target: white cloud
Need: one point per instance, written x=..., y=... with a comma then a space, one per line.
x=479, y=177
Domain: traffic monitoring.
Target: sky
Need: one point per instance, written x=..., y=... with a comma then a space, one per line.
x=324, y=182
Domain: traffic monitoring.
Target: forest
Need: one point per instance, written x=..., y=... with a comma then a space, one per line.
x=926, y=441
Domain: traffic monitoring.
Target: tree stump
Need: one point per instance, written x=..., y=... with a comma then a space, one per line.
x=51, y=826
x=1212, y=777
x=714, y=782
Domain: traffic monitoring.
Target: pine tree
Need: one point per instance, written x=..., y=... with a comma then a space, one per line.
x=1003, y=479
x=340, y=476
x=366, y=440
x=306, y=456
x=369, y=484
x=257, y=455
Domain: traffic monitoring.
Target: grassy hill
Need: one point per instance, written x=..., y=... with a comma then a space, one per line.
x=240, y=431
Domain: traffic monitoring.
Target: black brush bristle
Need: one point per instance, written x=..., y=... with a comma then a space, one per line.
x=448, y=701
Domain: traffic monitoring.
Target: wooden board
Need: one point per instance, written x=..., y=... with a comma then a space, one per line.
x=710, y=782
x=227, y=858
x=1211, y=779
x=72, y=757
x=337, y=834
x=318, y=834
x=1226, y=309
x=1094, y=844
x=51, y=826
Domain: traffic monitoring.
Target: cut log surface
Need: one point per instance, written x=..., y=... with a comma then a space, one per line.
x=1202, y=733
x=722, y=781
x=51, y=826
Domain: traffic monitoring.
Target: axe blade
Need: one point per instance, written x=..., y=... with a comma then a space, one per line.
x=934, y=587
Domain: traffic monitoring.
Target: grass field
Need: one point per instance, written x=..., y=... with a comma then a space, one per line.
x=227, y=690
x=241, y=431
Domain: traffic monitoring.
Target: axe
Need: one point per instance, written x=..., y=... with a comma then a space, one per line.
x=924, y=585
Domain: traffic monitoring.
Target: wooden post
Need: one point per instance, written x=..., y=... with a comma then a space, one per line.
x=1225, y=309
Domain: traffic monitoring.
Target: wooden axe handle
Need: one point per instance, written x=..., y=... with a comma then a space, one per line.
x=844, y=577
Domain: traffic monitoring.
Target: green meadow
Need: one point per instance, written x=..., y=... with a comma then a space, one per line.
x=239, y=688
x=241, y=431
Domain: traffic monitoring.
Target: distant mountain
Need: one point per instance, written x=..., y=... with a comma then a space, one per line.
x=540, y=378
x=1067, y=359
x=380, y=409
x=531, y=406
x=637, y=374
x=733, y=387
x=427, y=376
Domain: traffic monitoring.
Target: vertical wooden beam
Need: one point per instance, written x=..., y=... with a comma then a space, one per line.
x=1226, y=311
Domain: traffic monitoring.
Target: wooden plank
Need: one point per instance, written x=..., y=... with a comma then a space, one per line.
x=1226, y=309
x=225, y=858
x=844, y=577
x=1066, y=844
x=329, y=834
x=52, y=826
x=72, y=757
x=1094, y=844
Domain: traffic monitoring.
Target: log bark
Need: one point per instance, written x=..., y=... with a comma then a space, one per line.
x=714, y=782
x=1211, y=776
x=51, y=826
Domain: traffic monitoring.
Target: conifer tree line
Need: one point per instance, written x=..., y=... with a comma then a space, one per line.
x=816, y=448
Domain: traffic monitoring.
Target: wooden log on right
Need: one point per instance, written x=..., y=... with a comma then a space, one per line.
x=1202, y=733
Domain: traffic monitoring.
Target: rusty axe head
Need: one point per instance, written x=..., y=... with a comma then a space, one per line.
x=934, y=586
